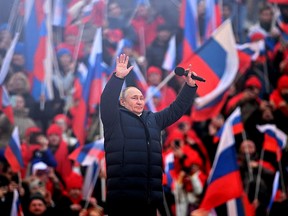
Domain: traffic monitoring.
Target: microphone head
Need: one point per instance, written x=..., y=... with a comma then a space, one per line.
x=179, y=71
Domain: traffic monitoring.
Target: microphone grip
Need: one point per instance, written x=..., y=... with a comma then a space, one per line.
x=194, y=77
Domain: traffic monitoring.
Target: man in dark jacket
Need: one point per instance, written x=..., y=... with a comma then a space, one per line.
x=132, y=143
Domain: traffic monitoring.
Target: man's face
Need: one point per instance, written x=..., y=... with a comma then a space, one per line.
x=37, y=207
x=54, y=139
x=154, y=79
x=133, y=100
x=266, y=16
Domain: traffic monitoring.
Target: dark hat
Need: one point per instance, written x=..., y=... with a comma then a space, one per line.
x=37, y=196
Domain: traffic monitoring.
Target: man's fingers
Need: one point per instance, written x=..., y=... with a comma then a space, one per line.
x=130, y=68
x=126, y=59
x=189, y=67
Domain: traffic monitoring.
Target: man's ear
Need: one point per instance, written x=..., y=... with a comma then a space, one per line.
x=122, y=102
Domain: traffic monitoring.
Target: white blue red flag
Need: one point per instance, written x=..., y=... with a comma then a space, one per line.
x=168, y=169
x=225, y=170
x=88, y=87
x=217, y=61
x=274, y=190
x=59, y=13
x=240, y=207
x=212, y=17
x=237, y=126
x=170, y=55
x=189, y=23
x=274, y=142
x=38, y=47
x=13, y=152
x=89, y=153
x=16, y=209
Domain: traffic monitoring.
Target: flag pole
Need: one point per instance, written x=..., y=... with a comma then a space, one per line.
x=76, y=51
x=13, y=15
x=164, y=82
x=248, y=160
x=92, y=185
x=42, y=97
x=258, y=179
x=133, y=15
x=266, y=79
x=282, y=178
x=102, y=179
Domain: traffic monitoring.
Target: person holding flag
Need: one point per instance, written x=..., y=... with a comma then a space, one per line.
x=132, y=143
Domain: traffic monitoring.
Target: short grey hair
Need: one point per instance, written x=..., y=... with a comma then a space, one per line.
x=123, y=93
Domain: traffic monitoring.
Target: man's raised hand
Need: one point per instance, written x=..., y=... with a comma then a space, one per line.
x=121, y=66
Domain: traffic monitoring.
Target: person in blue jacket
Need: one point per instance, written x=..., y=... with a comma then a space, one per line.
x=133, y=143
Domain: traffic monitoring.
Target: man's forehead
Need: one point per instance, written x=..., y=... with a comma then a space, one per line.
x=133, y=91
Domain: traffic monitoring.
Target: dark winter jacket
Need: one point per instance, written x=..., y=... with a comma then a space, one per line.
x=132, y=145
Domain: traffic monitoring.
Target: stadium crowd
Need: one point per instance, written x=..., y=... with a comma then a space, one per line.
x=49, y=183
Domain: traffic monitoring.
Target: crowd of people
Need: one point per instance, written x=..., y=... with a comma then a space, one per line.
x=51, y=184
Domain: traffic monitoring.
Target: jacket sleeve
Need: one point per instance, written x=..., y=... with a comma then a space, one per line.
x=109, y=103
x=171, y=114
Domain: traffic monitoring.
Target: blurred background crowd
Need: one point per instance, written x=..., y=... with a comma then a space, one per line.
x=54, y=66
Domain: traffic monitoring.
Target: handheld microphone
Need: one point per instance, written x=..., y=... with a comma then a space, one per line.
x=181, y=72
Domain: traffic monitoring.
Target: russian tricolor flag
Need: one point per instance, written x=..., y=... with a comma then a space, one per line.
x=217, y=61
x=168, y=169
x=249, y=52
x=59, y=13
x=86, y=12
x=38, y=49
x=189, y=23
x=13, y=152
x=212, y=17
x=224, y=182
x=89, y=153
x=88, y=87
x=240, y=207
x=274, y=141
x=237, y=126
x=170, y=55
x=95, y=81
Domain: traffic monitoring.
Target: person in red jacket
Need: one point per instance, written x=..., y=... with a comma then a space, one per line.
x=60, y=150
x=279, y=102
x=154, y=78
x=248, y=99
x=279, y=97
